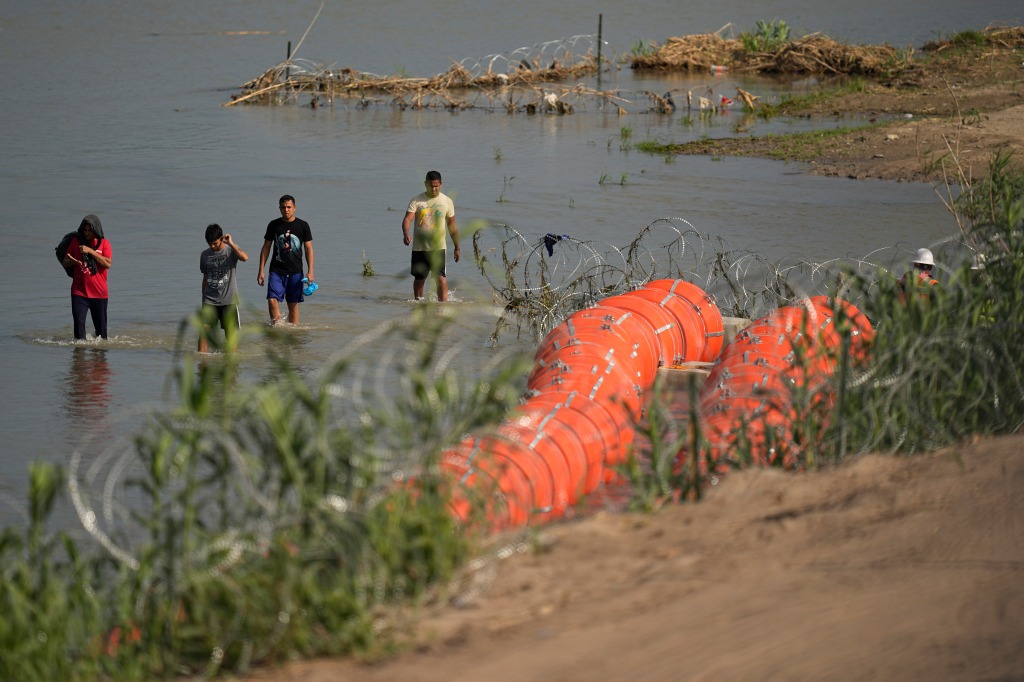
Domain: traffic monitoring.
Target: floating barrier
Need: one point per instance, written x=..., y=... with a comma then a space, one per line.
x=670, y=344
x=705, y=307
x=772, y=376
x=587, y=388
x=631, y=338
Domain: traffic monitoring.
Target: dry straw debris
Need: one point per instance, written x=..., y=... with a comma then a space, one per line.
x=814, y=53
x=549, y=78
x=456, y=88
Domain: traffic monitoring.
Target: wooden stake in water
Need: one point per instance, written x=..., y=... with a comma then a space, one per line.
x=600, y=18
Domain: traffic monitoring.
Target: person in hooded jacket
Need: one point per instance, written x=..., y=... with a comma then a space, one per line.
x=90, y=255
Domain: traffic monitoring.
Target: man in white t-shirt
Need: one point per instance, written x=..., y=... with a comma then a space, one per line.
x=431, y=216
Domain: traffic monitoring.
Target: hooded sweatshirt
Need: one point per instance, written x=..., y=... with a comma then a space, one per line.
x=90, y=281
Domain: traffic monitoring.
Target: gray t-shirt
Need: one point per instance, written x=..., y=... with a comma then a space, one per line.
x=219, y=268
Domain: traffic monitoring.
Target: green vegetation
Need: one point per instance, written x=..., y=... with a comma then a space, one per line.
x=962, y=41
x=941, y=368
x=949, y=368
x=796, y=104
x=251, y=524
x=368, y=270
x=802, y=147
x=625, y=136
x=766, y=37
x=654, y=147
x=642, y=48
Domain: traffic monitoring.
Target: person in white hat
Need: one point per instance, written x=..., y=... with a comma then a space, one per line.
x=920, y=275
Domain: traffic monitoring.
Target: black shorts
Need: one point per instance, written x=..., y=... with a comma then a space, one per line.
x=427, y=262
x=227, y=315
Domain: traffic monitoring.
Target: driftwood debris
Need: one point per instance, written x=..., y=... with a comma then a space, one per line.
x=456, y=88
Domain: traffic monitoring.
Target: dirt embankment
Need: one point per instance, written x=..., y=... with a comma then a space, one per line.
x=955, y=103
x=884, y=568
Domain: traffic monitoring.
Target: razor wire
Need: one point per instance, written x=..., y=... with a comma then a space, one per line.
x=542, y=279
x=377, y=412
x=529, y=79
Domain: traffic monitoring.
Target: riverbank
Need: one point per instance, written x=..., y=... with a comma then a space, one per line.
x=881, y=568
x=962, y=101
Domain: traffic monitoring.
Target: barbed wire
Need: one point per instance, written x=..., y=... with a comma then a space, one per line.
x=543, y=279
x=536, y=79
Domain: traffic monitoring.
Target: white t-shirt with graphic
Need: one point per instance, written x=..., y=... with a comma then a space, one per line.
x=430, y=221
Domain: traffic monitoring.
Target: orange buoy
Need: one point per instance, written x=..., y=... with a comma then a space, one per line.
x=545, y=410
x=660, y=320
x=518, y=455
x=615, y=419
x=504, y=488
x=559, y=448
x=691, y=325
x=636, y=328
x=705, y=306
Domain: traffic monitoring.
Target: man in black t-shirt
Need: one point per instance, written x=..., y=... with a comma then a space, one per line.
x=288, y=238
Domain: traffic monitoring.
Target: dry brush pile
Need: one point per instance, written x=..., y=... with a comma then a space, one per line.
x=815, y=53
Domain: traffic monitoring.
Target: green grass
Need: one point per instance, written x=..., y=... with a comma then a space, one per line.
x=260, y=525
x=796, y=104
x=766, y=37
x=939, y=370
x=642, y=48
x=801, y=147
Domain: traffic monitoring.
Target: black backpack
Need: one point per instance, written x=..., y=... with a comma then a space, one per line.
x=62, y=250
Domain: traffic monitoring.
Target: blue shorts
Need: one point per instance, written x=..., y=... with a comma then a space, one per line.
x=285, y=287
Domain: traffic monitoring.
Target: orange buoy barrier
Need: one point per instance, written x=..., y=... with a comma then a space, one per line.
x=632, y=339
x=590, y=376
x=704, y=305
x=491, y=468
x=750, y=395
x=561, y=451
x=635, y=326
x=588, y=370
x=591, y=437
x=664, y=324
x=614, y=420
x=587, y=348
x=692, y=331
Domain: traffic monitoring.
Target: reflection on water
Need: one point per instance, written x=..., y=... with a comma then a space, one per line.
x=87, y=390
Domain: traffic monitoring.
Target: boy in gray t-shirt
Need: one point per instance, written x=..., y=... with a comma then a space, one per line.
x=220, y=292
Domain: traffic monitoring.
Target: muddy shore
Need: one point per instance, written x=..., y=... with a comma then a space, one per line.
x=949, y=114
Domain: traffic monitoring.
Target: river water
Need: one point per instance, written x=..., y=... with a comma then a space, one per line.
x=116, y=108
